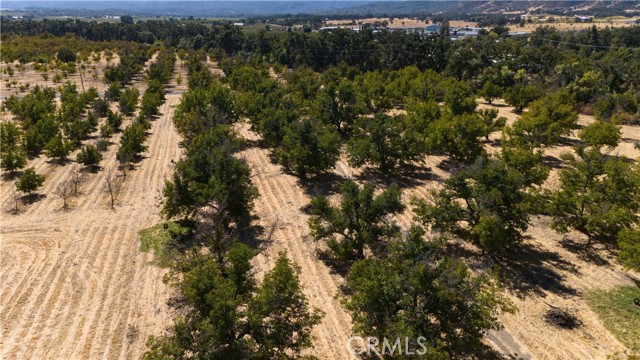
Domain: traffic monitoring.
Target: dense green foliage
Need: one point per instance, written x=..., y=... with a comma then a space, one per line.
x=360, y=221
x=419, y=291
x=488, y=202
x=29, y=181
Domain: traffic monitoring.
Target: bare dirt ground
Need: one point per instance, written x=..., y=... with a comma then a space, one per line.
x=75, y=285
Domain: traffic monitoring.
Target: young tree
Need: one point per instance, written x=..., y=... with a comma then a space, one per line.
x=360, y=221
x=64, y=192
x=418, y=290
x=77, y=178
x=308, y=147
x=114, y=120
x=280, y=318
x=89, y=156
x=112, y=186
x=57, y=148
x=132, y=141
x=384, y=141
x=113, y=91
x=12, y=155
x=30, y=181
x=129, y=100
x=491, y=121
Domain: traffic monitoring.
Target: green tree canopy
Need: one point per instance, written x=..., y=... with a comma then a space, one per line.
x=487, y=203
x=359, y=222
x=29, y=181
x=417, y=290
x=308, y=147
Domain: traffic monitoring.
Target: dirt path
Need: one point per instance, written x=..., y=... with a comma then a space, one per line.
x=74, y=283
x=280, y=203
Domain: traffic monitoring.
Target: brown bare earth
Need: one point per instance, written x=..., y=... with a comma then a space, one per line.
x=75, y=285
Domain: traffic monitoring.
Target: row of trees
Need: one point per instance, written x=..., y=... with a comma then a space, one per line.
x=226, y=314
x=306, y=119
x=493, y=196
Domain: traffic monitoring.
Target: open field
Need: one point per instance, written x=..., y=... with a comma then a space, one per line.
x=561, y=23
x=75, y=284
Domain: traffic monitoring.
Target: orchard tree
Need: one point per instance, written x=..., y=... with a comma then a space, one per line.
x=308, y=147
x=29, y=181
x=337, y=104
x=361, y=220
x=129, y=100
x=418, y=290
x=519, y=96
x=545, y=122
x=280, y=317
x=12, y=155
x=271, y=321
x=487, y=203
x=113, y=91
x=89, y=156
x=384, y=141
x=210, y=174
x=599, y=195
x=491, y=121
x=114, y=120
x=490, y=92
x=132, y=140
x=457, y=136
x=58, y=148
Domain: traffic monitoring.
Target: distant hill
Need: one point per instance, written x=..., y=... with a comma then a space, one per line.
x=237, y=9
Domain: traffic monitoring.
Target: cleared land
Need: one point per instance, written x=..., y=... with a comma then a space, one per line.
x=75, y=285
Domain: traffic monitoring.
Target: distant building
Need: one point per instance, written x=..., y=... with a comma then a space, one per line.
x=517, y=33
x=238, y=24
x=584, y=19
x=432, y=29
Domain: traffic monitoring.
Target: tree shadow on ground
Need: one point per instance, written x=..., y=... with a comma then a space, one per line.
x=569, y=141
x=324, y=184
x=11, y=175
x=524, y=269
x=585, y=251
x=257, y=236
x=552, y=162
x=338, y=267
x=59, y=162
x=406, y=176
x=32, y=198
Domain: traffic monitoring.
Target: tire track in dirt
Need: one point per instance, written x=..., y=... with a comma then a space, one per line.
x=79, y=304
